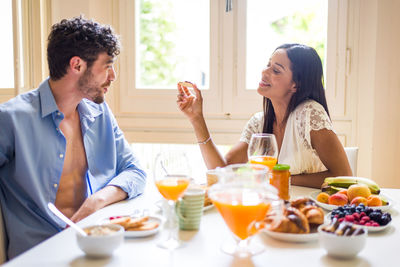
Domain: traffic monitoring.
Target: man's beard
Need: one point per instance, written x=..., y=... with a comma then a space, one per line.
x=86, y=88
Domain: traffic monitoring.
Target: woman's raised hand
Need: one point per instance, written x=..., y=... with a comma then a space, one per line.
x=190, y=104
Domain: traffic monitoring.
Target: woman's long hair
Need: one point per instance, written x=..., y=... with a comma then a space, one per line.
x=307, y=72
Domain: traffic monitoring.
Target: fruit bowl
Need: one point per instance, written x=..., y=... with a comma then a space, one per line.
x=342, y=246
x=371, y=229
x=314, y=194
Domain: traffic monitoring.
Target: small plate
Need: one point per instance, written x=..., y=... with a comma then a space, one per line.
x=370, y=229
x=314, y=194
x=293, y=238
x=152, y=218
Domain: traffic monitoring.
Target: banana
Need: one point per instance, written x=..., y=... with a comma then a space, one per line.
x=330, y=190
x=384, y=200
x=346, y=181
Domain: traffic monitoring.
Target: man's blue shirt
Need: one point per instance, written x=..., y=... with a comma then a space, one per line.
x=32, y=150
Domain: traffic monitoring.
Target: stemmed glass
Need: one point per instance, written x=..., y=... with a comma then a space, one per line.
x=243, y=198
x=172, y=177
x=263, y=149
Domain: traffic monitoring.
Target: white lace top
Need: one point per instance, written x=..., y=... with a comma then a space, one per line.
x=296, y=149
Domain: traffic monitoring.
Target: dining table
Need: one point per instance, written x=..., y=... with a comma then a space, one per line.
x=203, y=247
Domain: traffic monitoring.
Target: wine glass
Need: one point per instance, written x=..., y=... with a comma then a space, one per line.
x=263, y=149
x=243, y=197
x=172, y=177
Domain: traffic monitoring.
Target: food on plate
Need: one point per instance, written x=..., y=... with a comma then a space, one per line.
x=358, y=190
x=361, y=215
x=333, y=185
x=338, y=199
x=374, y=201
x=293, y=222
x=99, y=230
x=342, y=228
x=134, y=224
x=323, y=197
x=358, y=200
x=186, y=84
x=299, y=217
x=314, y=214
x=145, y=227
x=207, y=200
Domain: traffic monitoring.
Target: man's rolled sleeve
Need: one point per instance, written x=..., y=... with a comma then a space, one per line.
x=132, y=181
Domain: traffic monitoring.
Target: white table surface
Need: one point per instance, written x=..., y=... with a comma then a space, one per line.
x=202, y=248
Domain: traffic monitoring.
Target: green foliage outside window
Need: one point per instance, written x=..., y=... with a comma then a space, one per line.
x=300, y=27
x=156, y=49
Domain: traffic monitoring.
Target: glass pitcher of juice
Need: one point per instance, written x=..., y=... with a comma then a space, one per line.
x=243, y=197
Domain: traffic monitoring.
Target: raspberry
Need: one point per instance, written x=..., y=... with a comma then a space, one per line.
x=366, y=218
x=362, y=214
x=375, y=224
x=356, y=216
x=362, y=222
x=368, y=224
x=349, y=218
x=341, y=219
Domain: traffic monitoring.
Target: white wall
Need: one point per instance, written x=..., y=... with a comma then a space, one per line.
x=375, y=39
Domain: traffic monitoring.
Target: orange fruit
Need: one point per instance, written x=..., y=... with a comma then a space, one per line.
x=359, y=200
x=343, y=191
x=323, y=197
x=358, y=190
x=374, y=201
x=338, y=199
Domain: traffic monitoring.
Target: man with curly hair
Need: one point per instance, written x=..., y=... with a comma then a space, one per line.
x=61, y=143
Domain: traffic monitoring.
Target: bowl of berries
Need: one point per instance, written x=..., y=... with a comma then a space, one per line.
x=342, y=239
x=373, y=219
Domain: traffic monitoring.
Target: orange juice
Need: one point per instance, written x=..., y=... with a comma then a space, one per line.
x=270, y=162
x=240, y=209
x=172, y=187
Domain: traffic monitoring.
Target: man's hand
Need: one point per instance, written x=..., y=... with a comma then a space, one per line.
x=100, y=199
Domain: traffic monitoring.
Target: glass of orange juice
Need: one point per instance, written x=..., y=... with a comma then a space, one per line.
x=243, y=197
x=172, y=177
x=263, y=149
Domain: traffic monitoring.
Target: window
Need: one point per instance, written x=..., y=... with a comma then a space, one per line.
x=7, y=45
x=172, y=43
x=272, y=23
x=23, y=25
x=223, y=52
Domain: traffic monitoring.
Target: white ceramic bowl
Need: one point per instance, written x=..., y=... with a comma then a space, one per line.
x=342, y=246
x=101, y=245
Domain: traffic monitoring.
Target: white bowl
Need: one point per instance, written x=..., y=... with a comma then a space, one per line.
x=342, y=246
x=101, y=245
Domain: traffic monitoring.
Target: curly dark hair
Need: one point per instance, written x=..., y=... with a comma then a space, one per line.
x=78, y=37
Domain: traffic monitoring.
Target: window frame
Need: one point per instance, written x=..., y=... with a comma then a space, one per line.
x=152, y=115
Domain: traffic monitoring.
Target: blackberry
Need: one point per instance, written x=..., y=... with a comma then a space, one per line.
x=376, y=216
x=385, y=218
x=368, y=211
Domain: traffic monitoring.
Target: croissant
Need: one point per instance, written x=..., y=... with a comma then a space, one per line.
x=309, y=208
x=293, y=221
x=314, y=214
x=301, y=202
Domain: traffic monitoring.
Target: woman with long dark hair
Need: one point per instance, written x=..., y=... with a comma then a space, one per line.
x=295, y=111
